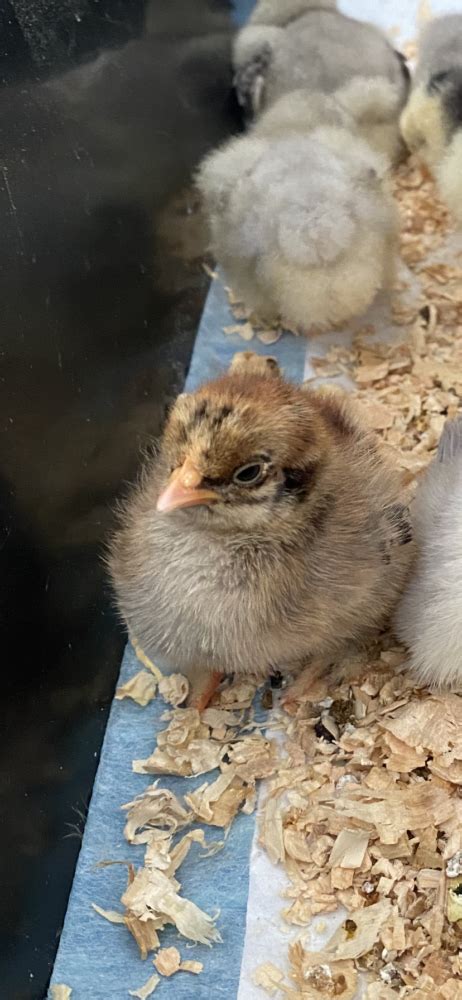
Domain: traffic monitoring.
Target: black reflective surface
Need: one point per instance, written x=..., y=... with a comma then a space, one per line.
x=105, y=109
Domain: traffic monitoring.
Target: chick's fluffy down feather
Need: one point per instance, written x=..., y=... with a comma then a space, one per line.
x=306, y=561
x=300, y=223
x=312, y=45
x=431, y=123
x=429, y=616
x=282, y=13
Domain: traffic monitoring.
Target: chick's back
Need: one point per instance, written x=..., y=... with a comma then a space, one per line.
x=324, y=49
x=300, y=223
x=315, y=47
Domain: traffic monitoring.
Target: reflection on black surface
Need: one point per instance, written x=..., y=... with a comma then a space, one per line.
x=101, y=291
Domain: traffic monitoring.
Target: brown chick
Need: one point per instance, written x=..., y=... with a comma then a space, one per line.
x=269, y=530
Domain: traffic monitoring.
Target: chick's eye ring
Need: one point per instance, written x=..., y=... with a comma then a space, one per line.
x=250, y=474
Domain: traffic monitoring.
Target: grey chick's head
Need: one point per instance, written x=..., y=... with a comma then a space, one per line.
x=240, y=450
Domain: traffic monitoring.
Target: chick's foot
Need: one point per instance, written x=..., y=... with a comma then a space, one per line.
x=203, y=689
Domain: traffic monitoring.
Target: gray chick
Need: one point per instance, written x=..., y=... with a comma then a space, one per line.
x=285, y=47
x=429, y=616
x=431, y=123
x=299, y=214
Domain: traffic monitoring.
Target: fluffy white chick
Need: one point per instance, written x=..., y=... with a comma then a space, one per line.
x=287, y=46
x=299, y=216
x=429, y=616
x=431, y=123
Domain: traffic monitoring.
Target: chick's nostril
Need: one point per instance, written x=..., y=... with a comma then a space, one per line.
x=189, y=475
x=191, y=479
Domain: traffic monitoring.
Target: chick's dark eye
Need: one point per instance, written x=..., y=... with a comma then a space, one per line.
x=249, y=475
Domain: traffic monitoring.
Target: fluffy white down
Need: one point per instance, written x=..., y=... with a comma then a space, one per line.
x=429, y=617
x=449, y=177
x=300, y=223
x=283, y=11
x=298, y=201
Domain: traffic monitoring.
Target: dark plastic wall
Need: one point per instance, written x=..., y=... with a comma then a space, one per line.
x=105, y=109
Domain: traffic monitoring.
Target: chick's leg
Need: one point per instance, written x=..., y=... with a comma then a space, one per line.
x=203, y=688
x=309, y=685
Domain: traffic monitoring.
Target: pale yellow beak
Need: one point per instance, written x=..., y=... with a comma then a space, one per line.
x=184, y=490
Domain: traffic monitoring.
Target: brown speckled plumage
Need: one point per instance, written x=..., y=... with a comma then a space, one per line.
x=305, y=562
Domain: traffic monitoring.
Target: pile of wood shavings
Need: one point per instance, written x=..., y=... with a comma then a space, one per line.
x=409, y=387
x=365, y=813
x=223, y=738
x=364, y=809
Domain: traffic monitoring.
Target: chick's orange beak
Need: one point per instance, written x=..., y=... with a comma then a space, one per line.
x=184, y=490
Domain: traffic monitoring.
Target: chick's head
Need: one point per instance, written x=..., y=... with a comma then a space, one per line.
x=433, y=115
x=242, y=448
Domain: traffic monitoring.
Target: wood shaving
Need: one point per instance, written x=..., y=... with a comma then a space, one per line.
x=378, y=991
x=167, y=961
x=140, y=688
x=321, y=981
x=191, y=744
x=147, y=990
x=152, y=895
x=141, y=656
x=269, y=337
x=237, y=696
x=349, y=849
x=113, y=916
x=174, y=689
x=60, y=992
x=269, y=978
x=219, y=802
x=183, y=748
x=190, y=965
x=209, y=272
x=312, y=981
x=144, y=933
x=156, y=809
x=356, y=936
x=244, y=330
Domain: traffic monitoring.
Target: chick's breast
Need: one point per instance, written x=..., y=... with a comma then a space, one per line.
x=197, y=599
